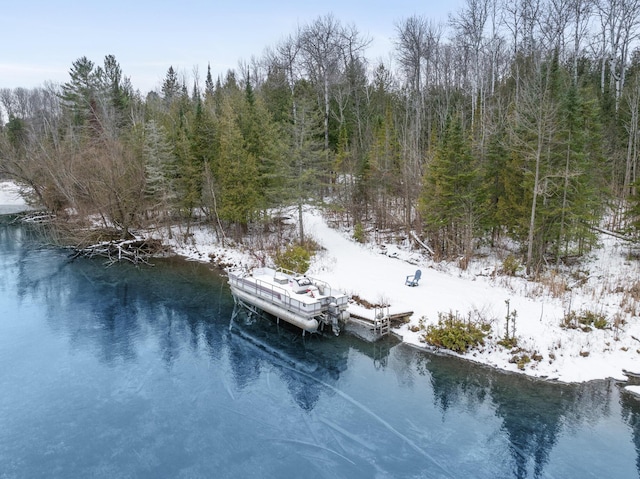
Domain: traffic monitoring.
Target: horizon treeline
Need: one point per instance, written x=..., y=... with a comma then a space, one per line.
x=516, y=121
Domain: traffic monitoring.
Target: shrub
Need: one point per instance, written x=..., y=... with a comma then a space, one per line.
x=555, y=283
x=509, y=340
x=508, y=343
x=584, y=320
x=510, y=265
x=634, y=290
x=295, y=258
x=454, y=333
x=521, y=358
x=358, y=233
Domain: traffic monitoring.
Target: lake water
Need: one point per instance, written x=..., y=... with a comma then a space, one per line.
x=141, y=372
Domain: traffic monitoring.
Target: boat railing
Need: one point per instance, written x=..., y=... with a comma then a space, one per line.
x=324, y=287
x=276, y=294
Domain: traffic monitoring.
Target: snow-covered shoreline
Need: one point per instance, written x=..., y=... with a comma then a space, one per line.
x=376, y=272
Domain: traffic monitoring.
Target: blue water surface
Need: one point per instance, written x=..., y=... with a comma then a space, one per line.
x=125, y=371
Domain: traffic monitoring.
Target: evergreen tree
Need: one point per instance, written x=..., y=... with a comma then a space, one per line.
x=276, y=95
x=451, y=196
x=79, y=94
x=262, y=140
x=160, y=166
x=237, y=173
x=170, y=86
x=116, y=90
x=208, y=85
x=579, y=196
x=203, y=140
x=495, y=179
x=385, y=165
x=16, y=132
x=306, y=155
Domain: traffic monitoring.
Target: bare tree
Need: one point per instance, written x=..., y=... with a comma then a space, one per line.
x=554, y=24
x=287, y=58
x=469, y=25
x=581, y=17
x=417, y=48
x=495, y=42
x=620, y=22
x=354, y=76
x=521, y=19
x=632, y=125
x=321, y=44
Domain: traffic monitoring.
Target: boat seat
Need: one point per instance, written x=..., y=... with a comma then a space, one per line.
x=301, y=284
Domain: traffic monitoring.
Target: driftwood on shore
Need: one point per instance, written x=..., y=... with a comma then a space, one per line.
x=135, y=251
x=96, y=242
x=38, y=217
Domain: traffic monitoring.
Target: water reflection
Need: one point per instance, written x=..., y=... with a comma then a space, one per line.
x=107, y=309
x=307, y=364
x=631, y=414
x=186, y=385
x=251, y=356
x=534, y=414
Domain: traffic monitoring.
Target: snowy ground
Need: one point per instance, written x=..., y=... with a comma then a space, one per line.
x=376, y=273
x=10, y=194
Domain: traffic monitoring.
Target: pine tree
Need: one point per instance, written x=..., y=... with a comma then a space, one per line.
x=160, y=166
x=495, y=171
x=262, y=140
x=79, y=95
x=170, y=86
x=188, y=177
x=578, y=196
x=276, y=95
x=305, y=154
x=203, y=140
x=116, y=91
x=208, y=85
x=450, y=200
x=237, y=173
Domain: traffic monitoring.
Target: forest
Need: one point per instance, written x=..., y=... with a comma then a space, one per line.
x=516, y=121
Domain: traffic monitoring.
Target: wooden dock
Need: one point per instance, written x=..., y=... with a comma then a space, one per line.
x=381, y=320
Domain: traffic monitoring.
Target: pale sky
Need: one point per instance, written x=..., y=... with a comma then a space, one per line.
x=40, y=39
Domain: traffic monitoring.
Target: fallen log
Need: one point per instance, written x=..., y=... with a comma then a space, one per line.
x=421, y=243
x=614, y=234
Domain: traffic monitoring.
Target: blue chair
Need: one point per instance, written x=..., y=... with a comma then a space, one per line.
x=412, y=280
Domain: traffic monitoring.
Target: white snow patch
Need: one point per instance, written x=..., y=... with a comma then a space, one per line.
x=633, y=389
x=10, y=194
